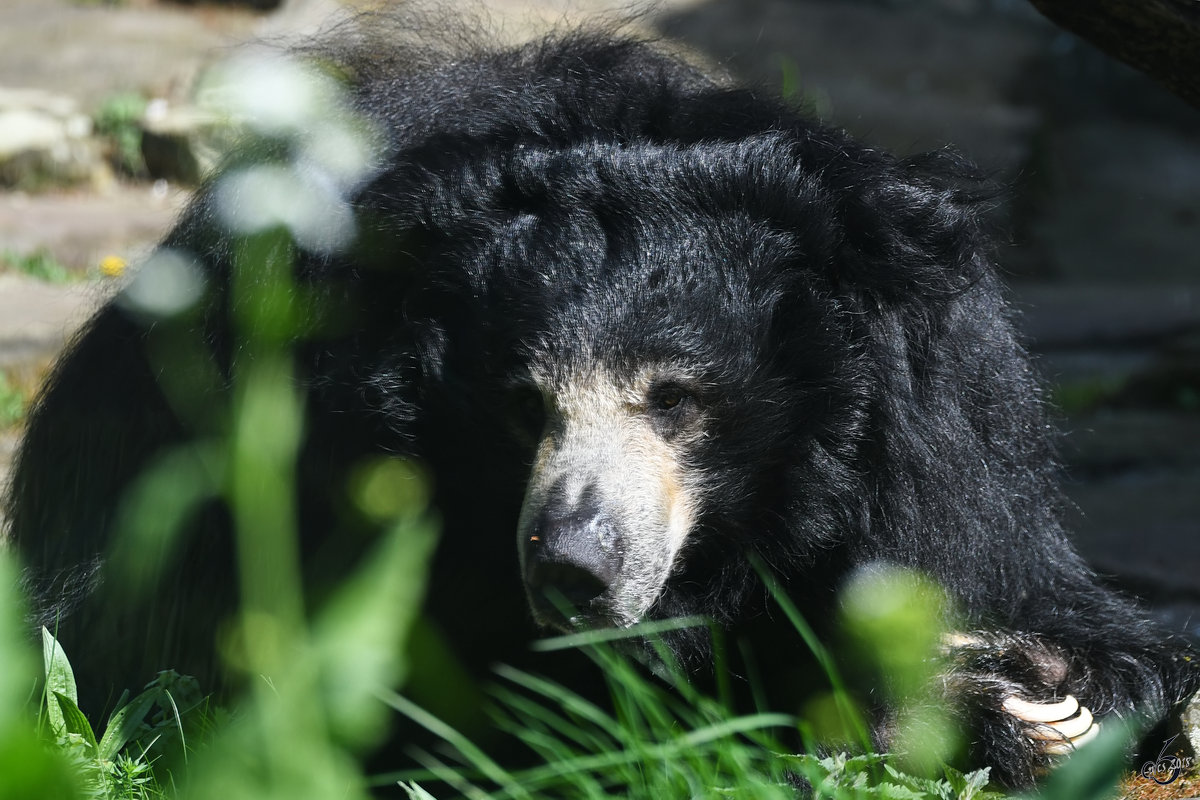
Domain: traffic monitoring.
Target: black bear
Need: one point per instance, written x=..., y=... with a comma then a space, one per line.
x=658, y=328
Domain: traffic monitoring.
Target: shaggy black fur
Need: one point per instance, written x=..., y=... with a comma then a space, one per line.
x=867, y=397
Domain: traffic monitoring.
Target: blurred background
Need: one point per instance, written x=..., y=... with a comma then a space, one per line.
x=102, y=136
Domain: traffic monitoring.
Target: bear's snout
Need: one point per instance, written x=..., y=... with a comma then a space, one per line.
x=571, y=561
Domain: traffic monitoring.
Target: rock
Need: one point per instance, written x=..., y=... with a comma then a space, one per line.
x=55, y=105
x=182, y=143
x=1191, y=723
x=45, y=141
x=79, y=229
x=257, y=5
x=37, y=318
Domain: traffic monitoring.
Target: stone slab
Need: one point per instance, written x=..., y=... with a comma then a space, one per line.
x=1079, y=314
x=80, y=228
x=1144, y=528
x=37, y=318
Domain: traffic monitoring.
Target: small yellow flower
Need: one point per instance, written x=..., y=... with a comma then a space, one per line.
x=113, y=266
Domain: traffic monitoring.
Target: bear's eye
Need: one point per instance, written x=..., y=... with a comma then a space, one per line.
x=670, y=399
x=672, y=410
x=527, y=411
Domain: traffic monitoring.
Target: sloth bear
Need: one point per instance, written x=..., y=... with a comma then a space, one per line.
x=658, y=328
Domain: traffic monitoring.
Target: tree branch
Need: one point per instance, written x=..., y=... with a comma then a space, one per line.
x=1159, y=37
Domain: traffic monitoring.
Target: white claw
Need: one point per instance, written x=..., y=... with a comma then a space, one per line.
x=1064, y=729
x=1065, y=748
x=1088, y=735
x=1057, y=728
x=1041, y=712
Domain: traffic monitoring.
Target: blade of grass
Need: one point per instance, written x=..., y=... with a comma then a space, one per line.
x=693, y=744
x=841, y=696
x=475, y=756
x=737, y=725
x=570, y=701
x=600, y=635
x=447, y=775
x=529, y=711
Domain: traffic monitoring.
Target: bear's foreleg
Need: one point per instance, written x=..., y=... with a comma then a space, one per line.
x=1016, y=694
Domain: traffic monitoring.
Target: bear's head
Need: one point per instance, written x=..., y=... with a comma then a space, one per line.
x=682, y=341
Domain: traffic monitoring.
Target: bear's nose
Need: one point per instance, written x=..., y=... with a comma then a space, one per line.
x=571, y=556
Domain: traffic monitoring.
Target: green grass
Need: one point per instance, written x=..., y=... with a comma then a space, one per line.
x=118, y=763
x=1083, y=396
x=118, y=121
x=14, y=401
x=39, y=264
x=660, y=737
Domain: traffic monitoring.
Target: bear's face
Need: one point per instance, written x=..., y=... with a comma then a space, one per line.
x=638, y=376
x=612, y=496
x=637, y=311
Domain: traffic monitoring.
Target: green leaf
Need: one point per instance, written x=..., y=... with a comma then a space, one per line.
x=124, y=723
x=925, y=787
x=74, y=721
x=361, y=630
x=60, y=680
x=894, y=791
x=972, y=786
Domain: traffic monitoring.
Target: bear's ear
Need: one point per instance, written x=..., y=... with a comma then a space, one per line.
x=911, y=227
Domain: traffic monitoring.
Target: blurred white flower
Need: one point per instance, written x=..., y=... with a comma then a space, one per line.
x=273, y=94
x=345, y=149
x=305, y=201
x=169, y=282
x=332, y=150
